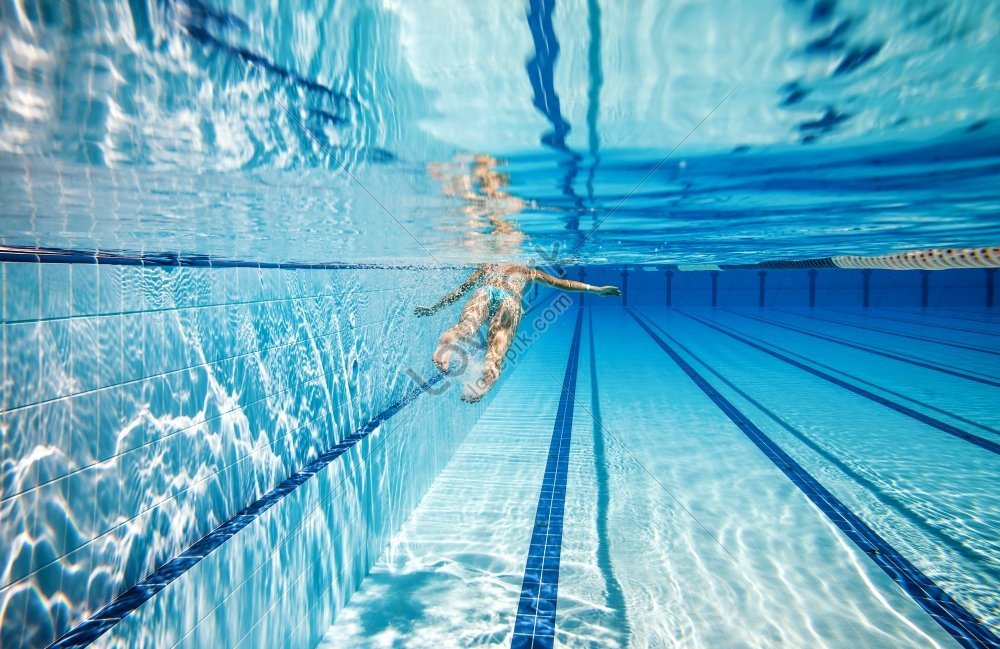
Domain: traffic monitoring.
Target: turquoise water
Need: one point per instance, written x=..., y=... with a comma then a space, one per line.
x=678, y=531
x=221, y=423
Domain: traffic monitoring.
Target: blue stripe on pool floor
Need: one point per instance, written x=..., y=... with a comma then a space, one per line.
x=944, y=427
x=925, y=321
x=871, y=350
x=890, y=332
x=535, y=623
x=101, y=622
x=856, y=476
x=952, y=616
x=857, y=380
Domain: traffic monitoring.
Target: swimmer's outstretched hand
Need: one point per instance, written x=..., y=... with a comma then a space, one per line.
x=607, y=291
x=423, y=311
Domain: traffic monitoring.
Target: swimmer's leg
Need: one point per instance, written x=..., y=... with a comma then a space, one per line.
x=503, y=328
x=473, y=316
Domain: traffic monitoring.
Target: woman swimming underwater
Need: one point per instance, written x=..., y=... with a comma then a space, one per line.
x=499, y=289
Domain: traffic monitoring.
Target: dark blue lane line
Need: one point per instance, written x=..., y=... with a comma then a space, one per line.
x=880, y=316
x=872, y=350
x=968, y=630
x=615, y=592
x=103, y=620
x=889, y=332
x=887, y=499
x=535, y=623
x=965, y=315
x=923, y=323
x=861, y=380
x=892, y=405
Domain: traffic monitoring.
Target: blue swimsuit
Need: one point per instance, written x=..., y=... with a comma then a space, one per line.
x=497, y=296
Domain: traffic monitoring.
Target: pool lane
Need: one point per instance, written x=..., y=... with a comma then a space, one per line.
x=454, y=573
x=978, y=358
x=973, y=343
x=961, y=359
x=964, y=400
x=965, y=627
x=859, y=345
x=965, y=315
x=709, y=542
x=924, y=319
x=930, y=495
x=968, y=406
x=986, y=443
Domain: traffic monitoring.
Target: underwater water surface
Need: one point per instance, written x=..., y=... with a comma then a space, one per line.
x=635, y=133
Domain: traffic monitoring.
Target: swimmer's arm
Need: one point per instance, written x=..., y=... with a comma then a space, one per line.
x=571, y=285
x=453, y=296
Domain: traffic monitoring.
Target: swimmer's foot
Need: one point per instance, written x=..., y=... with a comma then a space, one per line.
x=442, y=355
x=473, y=397
x=483, y=385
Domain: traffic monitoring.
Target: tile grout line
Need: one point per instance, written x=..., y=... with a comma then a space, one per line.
x=962, y=625
x=534, y=623
x=196, y=366
x=103, y=620
x=193, y=307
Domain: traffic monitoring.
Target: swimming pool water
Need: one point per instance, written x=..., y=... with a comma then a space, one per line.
x=221, y=423
x=676, y=529
x=644, y=475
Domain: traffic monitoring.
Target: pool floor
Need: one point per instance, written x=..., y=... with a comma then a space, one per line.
x=664, y=498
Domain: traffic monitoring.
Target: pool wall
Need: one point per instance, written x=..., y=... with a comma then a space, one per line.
x=832, y=288
x=143, y=407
